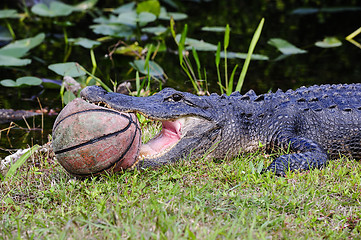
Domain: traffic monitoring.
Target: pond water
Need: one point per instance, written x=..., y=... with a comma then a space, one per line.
x=300, y=24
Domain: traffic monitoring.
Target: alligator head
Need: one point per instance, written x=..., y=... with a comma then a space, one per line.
x=189, y=125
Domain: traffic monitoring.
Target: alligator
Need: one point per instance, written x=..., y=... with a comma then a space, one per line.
x=312, y=124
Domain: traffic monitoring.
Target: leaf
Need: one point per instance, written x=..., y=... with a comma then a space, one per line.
x=145, y=17
x=329, y=42
x=83, y=6
x=55, y=9
x=71, y=69
x=13, y=52
x=20, y=162
x=8, y=83
x=27, y=43
x=12, y=61
x=285, y=47
x=213, y=29
x=28, y=80
x=306, y=11
x=84, y=42
x=9, y=13
x=154, y=68
x=125, y=8
x=226, y=37
x=199, y=45
x=112, y=30
x=68, y=97
x=232, y=55
x=130, y=50
x=151, y=6
x=155, y=30
x=164, y=15
x=127, y=18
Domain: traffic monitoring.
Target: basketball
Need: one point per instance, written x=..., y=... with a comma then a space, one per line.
x=89, y=140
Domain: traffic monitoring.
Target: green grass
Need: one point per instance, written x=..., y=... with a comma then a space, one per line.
x=198, y=199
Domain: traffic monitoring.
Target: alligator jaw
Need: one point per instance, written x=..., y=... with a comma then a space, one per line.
x=187, y=123
x=169, y=136
x=171, y=133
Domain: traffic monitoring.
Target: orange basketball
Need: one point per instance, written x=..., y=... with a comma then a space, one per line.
x=89, y=140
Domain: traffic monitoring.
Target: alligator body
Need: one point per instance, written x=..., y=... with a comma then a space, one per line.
x=313, y=124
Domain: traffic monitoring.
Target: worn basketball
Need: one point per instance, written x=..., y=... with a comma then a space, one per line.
x=89, y=139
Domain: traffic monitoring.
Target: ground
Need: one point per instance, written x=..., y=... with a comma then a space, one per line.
x=198, y=199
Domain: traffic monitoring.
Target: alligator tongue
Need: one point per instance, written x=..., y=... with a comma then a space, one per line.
x=168, y=136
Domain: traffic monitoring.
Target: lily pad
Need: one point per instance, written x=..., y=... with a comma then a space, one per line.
x=213, y=29
x=146, y=17
x=115, y=30
x=329, y=42
x=71, y=69
x=155, y=30
x=306, y=11
x=29, y=81
x=164, y=15
x=55, y=9
x=231, y=55
x=13, y=61
x=25, y=44
x=10, y=54
x=285, y=47
x=13, y=52
x=84, y=42
x=154, y=68
x=9, y=13
x=125, y=8
x=127, y=18
x=198, y=45
x=132, y=18
x=83, y=6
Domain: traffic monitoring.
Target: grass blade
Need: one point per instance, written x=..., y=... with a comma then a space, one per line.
x=226, y=43
x=181, y=43
x=20, y=162
x=252, y=46
x=230, y=86
x=198, y=63
x=218, y=59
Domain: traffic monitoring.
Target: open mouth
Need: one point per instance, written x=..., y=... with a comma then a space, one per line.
x=169, y=135
x=171, y=132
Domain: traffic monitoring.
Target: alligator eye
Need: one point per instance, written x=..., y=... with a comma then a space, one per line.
x=177, y=97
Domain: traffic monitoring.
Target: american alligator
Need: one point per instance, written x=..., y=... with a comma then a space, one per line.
x=314, y=124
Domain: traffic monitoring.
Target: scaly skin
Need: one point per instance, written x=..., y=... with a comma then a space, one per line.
x=314, y=124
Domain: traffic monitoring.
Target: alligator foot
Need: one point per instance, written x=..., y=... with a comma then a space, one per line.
x=297, y=162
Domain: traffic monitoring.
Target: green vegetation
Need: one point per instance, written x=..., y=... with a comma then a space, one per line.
x=200, y=199
x=121, y=30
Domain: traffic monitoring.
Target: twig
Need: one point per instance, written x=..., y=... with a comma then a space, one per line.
x=42, y=115
x=26, y=122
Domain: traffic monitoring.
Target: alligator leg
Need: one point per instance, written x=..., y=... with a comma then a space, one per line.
x=307, y=155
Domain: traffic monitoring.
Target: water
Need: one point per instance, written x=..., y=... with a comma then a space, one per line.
x=317, y=66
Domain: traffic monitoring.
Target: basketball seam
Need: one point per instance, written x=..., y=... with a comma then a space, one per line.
x=131, y=121
x=94, y=140
x=90, y=110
